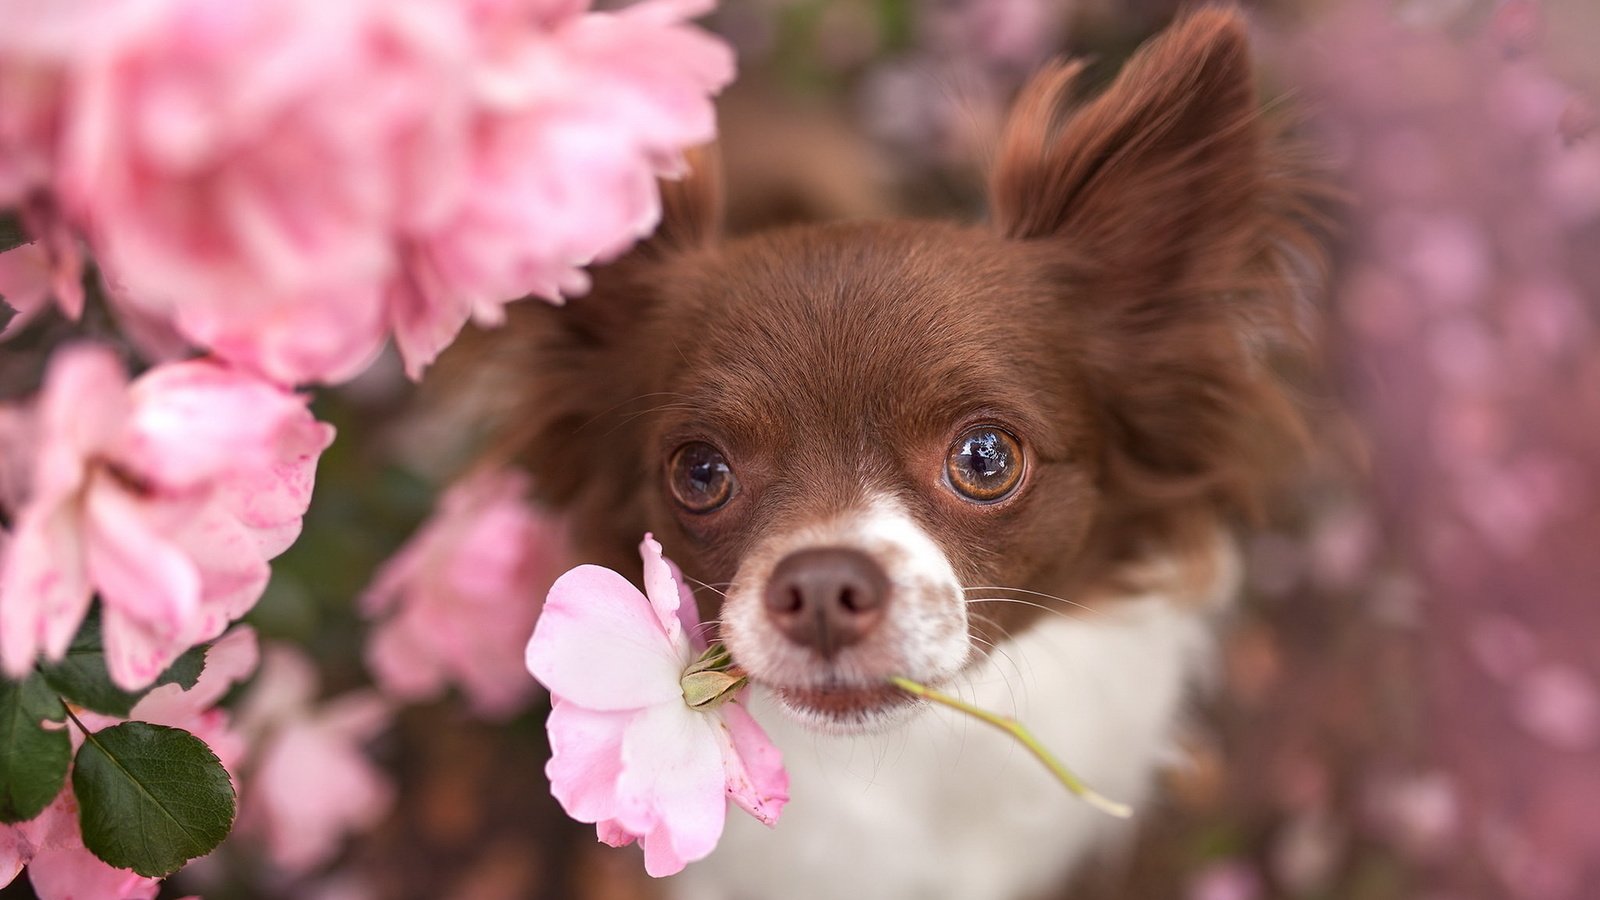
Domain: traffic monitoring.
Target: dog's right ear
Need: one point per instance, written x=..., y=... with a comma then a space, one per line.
x=580, y=374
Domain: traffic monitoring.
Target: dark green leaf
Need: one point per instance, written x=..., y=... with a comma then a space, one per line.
x=150, y=798
x=33, y=759
x=185, y=670
x=11, y=233
x=81, y=675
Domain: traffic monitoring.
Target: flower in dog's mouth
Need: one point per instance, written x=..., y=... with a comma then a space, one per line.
x=648, y=739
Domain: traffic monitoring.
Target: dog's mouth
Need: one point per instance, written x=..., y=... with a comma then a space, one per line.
x=845, y=707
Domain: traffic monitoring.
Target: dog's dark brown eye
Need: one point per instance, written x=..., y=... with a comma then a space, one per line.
x=700, y=477
x=984, y=464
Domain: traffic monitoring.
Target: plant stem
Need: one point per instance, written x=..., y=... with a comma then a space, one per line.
x=1025, y=737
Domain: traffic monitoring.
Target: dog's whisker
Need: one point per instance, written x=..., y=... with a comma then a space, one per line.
x=1069, y=615
x=1001, y=587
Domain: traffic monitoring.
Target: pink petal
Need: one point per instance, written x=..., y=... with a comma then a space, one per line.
x=25, y=287
x=672, y=778
x=403, y=665
x=688, y=611
x=15, y=851
x=612, y=834
x=229, y=661
x=44, y=587
x=132, y=561
x=756, y=779
x=77, y=874
x=662, y=587
x=599, y=644
x=80, y=412
x=586, y=762
x=661, y=856
x=271, y=500
x=227, y=557
x=193, y=421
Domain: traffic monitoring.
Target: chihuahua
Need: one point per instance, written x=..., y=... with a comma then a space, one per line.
x=1005, y=459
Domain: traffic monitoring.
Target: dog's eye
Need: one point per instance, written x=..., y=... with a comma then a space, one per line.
x=700, y=477
x=984, y=464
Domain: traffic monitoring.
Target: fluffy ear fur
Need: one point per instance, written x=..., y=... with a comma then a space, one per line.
x=576, y=371
x=1179, y=233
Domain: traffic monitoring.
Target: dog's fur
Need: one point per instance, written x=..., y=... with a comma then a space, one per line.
x=1119, y=314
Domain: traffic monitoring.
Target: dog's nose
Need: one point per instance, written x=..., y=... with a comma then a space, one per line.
x=827, y=598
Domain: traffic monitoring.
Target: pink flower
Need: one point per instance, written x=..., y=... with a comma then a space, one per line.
x=290, y=181
x=49, y=268
x=627, y=752
x=59, y=866
x=462, y=595
x=165, y=497
x=573, y=116
x=50, y=844
x=309, y=783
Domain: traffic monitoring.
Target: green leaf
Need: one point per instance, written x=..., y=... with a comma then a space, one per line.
x=151, y=798
x=11, y=233
x=81, y=675
x=33, y=759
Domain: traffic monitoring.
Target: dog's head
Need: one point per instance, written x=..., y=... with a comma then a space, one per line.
x=849, y=431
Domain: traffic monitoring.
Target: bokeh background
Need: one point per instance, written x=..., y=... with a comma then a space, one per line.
x=1409, y=701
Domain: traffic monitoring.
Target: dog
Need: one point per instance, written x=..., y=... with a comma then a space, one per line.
x=1007, y=459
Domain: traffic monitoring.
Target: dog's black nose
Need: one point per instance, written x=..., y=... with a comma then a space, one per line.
x=827, y=598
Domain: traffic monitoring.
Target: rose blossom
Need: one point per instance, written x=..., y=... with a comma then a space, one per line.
x=308, y=782
x=627, y=751
x=462, y=595
x=164, y=497
x=288, y=182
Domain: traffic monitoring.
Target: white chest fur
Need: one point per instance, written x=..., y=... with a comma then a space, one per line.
x=946, y=807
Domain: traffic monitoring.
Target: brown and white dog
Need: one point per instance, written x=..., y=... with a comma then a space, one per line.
x=1002, y=458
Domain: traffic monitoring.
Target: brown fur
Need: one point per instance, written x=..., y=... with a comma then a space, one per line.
x=1120, y=314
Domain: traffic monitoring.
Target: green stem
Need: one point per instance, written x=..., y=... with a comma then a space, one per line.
x=1017, y=730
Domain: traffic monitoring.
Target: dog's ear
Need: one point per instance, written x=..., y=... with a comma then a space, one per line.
x=1156, y=176
x=1177, y=229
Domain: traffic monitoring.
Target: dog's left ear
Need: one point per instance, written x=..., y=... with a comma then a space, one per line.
x=1177, y=226
x=1156, y=178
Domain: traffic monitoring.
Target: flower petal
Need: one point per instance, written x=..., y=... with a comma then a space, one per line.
x=672, y=778
x=598, y=644
x=661, y=586
x=150, y=589
x=44, y=588
x=74, y=873
x=586, y=761
x=756, y=779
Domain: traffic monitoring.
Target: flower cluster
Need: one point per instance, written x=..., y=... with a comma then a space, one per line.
x=165, y=497
x=288, y=182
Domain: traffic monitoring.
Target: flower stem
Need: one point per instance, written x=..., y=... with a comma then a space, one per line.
x=1025, y=737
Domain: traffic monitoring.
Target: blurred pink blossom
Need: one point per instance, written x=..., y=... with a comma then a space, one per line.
x=164, y=497
x=59, y=866
x=1228, y=879
x=35, y=273
x=462, y=595
x=50, y=844
x=627, y=752
x=291, y=181
x=308, y=783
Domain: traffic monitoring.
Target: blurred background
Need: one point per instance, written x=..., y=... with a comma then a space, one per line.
x=1409, y=705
